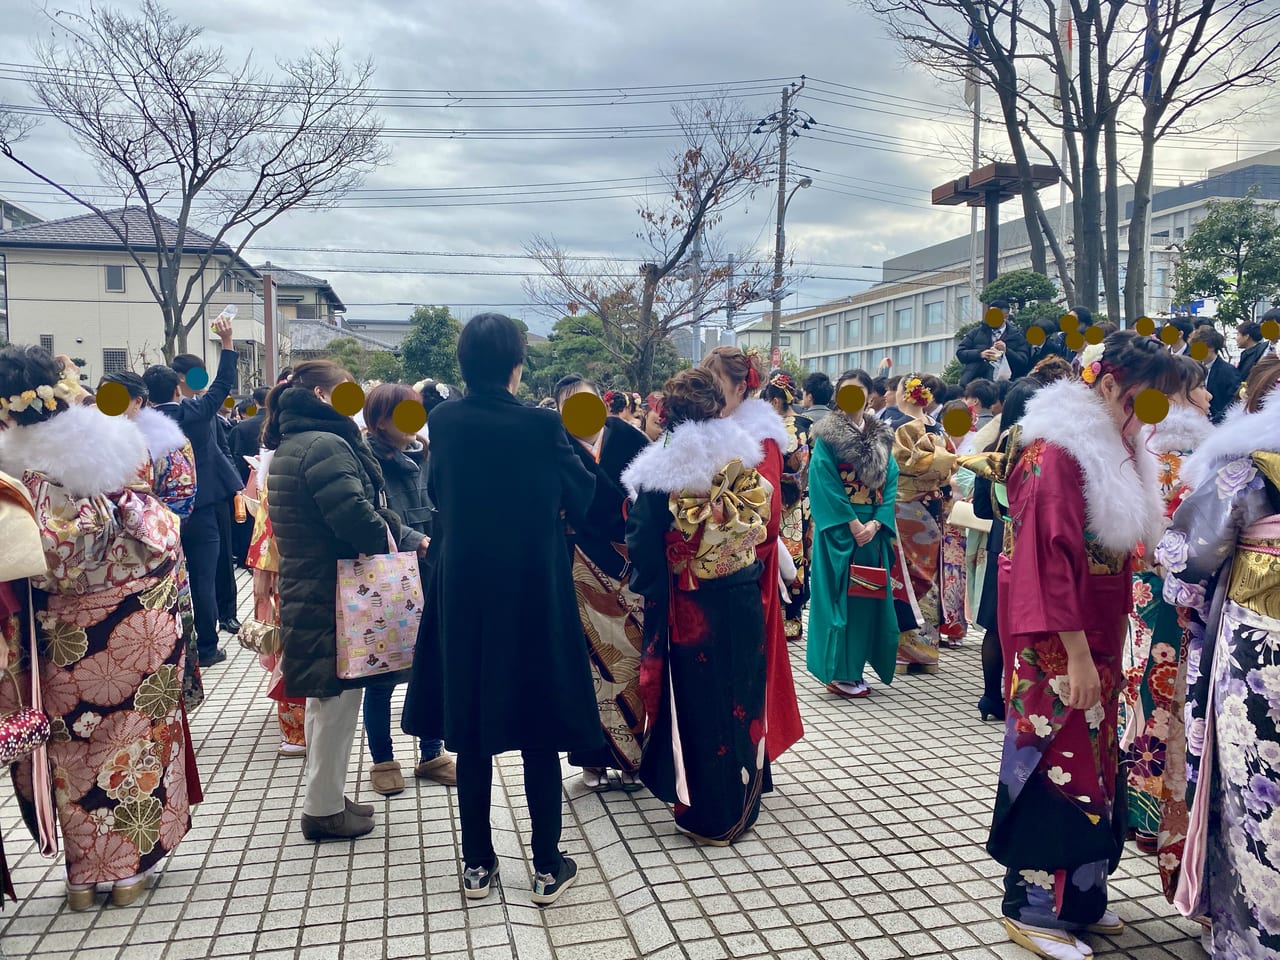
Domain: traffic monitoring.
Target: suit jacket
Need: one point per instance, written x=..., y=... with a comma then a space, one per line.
x=246, y=441
x=1250, y=357
x=1223, y=382
x=981, y=337
x=216, y=478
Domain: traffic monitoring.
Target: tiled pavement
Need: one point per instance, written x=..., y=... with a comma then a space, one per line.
x=870, y=847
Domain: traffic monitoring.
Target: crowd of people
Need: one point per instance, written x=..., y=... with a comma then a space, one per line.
x=653, y=571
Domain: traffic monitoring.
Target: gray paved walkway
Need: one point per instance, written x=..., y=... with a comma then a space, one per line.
x=871, y=847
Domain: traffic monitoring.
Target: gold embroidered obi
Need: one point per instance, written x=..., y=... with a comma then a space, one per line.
x=1255, y=571
x=926, y=463
x=716, y=533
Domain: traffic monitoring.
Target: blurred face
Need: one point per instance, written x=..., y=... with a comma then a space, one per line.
x=580, y=388
x=394, y=436
x=854, y=414
x=652, y=426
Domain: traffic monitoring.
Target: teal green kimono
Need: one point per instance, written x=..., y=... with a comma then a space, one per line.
x=847, y=633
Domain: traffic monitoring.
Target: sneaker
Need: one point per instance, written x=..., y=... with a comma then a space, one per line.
x=477, y=881
x=386, y=778
x=547, y=887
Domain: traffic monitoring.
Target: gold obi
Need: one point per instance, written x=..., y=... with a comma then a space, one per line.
x=716, y=533
x=925, y=464
x=1255, y=575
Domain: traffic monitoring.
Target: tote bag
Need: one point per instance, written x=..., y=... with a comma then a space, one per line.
x=379, y=609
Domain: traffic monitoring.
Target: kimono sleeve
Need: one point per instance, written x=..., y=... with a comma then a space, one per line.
x=176, y=481
x=648, y=521
x=886, y=512
x=828, y=503
x=1049, y=563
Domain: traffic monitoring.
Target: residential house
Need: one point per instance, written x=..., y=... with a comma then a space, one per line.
x=300, y=296
x=73, y=287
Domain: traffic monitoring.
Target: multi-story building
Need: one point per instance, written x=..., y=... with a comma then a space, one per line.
x=912, y=314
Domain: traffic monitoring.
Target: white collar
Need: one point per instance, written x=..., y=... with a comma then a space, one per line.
x=689, y=456
x=1240, y=435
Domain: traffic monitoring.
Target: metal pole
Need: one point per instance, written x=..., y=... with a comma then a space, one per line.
x=973, y=211
x=780, y=237
x=272, y=357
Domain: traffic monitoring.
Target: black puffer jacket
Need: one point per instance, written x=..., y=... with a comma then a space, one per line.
x=405, y=474
x=325, y=487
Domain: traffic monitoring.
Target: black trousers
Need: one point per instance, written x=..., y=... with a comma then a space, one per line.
x=542, y=791
x=225, y=584
x=200, y=543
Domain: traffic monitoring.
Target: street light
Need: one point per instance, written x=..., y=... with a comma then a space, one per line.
x=780, y=247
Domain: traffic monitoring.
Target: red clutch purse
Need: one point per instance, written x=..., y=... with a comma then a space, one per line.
x=869, y=582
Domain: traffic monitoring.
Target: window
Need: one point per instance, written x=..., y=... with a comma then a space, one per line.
x=933, y=351
x=962, y=309
x=46, y=341
x=233, y=284
x=850, y=332
x=877, y=326
x=903, y=320
x=812, y=364
x=903, y=358
x=810, y=340
x=829, y=336
x=114, y=360
x=850, y=361
x=115, y=279
x=784, y=341
x=829, y=364
x=934, y=315
x=307, y=311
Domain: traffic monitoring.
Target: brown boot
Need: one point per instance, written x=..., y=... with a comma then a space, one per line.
x=442, y=769
x=340, y=826
x=386, y=778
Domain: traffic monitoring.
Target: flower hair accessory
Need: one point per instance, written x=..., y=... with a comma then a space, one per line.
x=916, y=392
x=1091, y=362
x=782, y=381
x=609, y=395
x=753, y=368
x=442, y=391
x=43, y=398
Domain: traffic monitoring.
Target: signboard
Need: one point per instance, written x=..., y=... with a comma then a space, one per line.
x=775, y=358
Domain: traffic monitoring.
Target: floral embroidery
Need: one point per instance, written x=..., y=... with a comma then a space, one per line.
x=133, y=772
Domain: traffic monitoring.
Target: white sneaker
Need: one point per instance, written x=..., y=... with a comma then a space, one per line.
x=1047, y=942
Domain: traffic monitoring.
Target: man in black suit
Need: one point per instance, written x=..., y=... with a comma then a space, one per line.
x=216, y=480
x=984, y=347
x=1251, y=343
x=1221, y=379
x=1184, y=328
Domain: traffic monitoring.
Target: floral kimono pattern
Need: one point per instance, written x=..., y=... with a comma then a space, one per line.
x=794, y=531
x=1222, y=563
x=111, y=670
x=174, y=482
x=1059, y=764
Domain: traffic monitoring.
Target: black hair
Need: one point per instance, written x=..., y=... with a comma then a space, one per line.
x=1004, y=386
x=324, y=374
x=284, y=375
x=1183, y=326
x=161, y=382
x=136, y=386
x=1252, y=328
x=618, y=402
x=431, y=394
x=937, y=386
x=184, y=362
x=1015, y=404
x=818, y=385
x=1084, y=315
x=1135, y=360
x=894, y=382
x=1192, y=373
x=861, y=376
x=880, y=385
x=1000, y=304
x=259, y=396
x=29, y=368
x=1210, y=338
x=771, y=392
x=569, y=384
x=984, y=391
x=490, y=348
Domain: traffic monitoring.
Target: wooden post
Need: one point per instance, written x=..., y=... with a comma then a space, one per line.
x=991, y=237
x=271, y=354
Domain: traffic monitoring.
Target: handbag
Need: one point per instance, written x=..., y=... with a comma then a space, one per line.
x=262, y=636
x=379, y=608
x=25, y=732
x=962, y=515
x=869, y=582
x=21, y=549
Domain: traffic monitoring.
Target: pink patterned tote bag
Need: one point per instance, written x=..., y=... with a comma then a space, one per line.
x=379, y=609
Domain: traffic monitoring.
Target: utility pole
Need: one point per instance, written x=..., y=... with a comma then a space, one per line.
x=729, y=308
x=271, y=360
x=695, y=254
x=780, y=237
x=974, y=311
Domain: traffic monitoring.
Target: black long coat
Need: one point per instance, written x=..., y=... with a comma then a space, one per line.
x=325, y=486
x=501, y=662
x=606, y=520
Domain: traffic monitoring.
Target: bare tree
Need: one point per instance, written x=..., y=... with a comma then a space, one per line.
x=192, y=140
x=722, y=162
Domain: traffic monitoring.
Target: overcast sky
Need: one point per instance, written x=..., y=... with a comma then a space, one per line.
x=871, y=192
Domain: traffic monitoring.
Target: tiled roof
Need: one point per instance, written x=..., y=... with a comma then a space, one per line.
x=315, y=335
x=284, y=277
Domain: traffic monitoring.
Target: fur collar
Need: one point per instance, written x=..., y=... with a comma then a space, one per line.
x=1122, y=498
x=163, y=435
x=82, y=449
x=1182, y=431
x=761, y=422
x=688, y=457
x=1240, y=435
x=866, y=451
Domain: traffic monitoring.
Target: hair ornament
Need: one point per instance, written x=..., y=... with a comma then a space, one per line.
x=916, y=392
x=43, y=397
x=753, y=368
x=783, y=382
x=1091, y=362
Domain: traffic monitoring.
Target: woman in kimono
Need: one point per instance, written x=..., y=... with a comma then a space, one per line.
x=1082, y=494
x=1221, y=560
x=1150, y=694
x=926, y=461
x=701, y=509
x=952, y=582
x=853, y=481
x=110, y=638
x=612, y=616
x=173, y=468
x=780, y=393
x=739, y=378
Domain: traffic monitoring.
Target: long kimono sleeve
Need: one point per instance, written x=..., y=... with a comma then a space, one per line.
x=1049, y=562
x=884, y=511
x=828, y=502
x=648, y=521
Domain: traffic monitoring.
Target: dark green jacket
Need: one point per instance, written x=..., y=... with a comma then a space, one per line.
x=326, y=488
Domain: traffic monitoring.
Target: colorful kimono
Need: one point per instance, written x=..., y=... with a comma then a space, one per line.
x=612, y=615
x=1150, y=697
x=173, y=467
x=1221, y=557
x=926, y=461
x=701, y=509
x=1079, y=502
x=852, y=476
x=264, y=560
x=110, y=639
x=794, y=531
